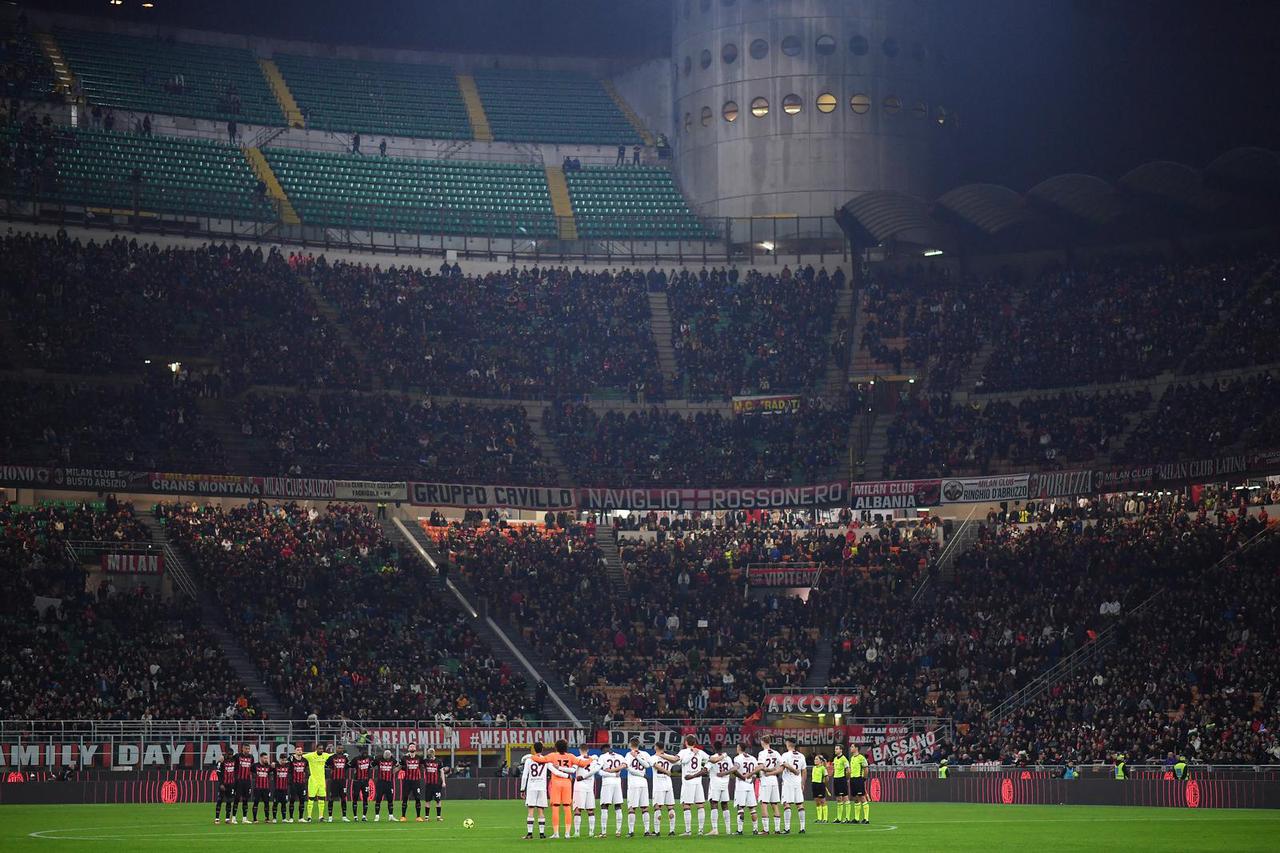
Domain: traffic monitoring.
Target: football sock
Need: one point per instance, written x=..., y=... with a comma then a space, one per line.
x=645, y=819
x=542, y=826
x=528, y=825
x=702, y=820
x=591, y=823
x=577, y=825
x=739, y=820
x=786, y=820
x=866, y=810
x=777, y=823
x=631, y=822
x=715, y=821
x=688, y=822
x=801, y=819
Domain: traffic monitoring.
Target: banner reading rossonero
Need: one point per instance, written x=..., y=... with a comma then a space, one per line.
x=761, y=497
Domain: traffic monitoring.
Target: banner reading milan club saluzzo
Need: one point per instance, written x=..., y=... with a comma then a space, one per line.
x=872, y=495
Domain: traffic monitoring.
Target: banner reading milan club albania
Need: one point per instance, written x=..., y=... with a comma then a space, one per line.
x=133, y=564
x=895, y=494
x=763, y=497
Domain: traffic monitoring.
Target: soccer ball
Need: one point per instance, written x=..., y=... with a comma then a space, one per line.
x=468, y=823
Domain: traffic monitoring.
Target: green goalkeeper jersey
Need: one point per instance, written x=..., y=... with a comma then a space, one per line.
x=316, y=762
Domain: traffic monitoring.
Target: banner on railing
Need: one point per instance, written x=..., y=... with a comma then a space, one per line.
x=767, y=404
x=369, y=490
x=296, y=488
x=810, y=703
x=481, y=497
x=473, y=739
x=783, y=574
x=1005, y=487
x=1059, y=484
x=1208, y=468
x=895, y=494
x=764, y=497
x=133, y=564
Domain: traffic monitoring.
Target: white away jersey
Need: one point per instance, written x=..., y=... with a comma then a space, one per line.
x=611, y=766
x=769, y=759
x=745, y=764
x=694, y=761
x=638, y=763
x=793, y=759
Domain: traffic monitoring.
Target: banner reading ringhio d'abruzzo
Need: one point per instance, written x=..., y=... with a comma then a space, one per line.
x=1003, y=487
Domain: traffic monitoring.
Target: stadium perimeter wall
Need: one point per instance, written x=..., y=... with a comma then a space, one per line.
x=1206, y=789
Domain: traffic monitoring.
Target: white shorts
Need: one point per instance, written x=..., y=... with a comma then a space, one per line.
x=792, y=792
x=536, y=796
x=638, y=792
x=611, y=792
x=584, y=794
x=719, y=792
x=692, y=793
x=664, y=794
x=769, y=790
x=744, y=794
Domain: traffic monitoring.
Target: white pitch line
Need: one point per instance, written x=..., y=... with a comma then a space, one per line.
x=43, y=834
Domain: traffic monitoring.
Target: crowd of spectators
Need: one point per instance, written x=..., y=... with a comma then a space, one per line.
x=347, y=434
x=1200, y=419
x=931, y=436
x=751, y=333
x=242, y=308
x=931, y=321
x=337, y=622
x=665, y=448
x=536, y=332
x=78, y=646
x=151, y=425
x=1114, y=320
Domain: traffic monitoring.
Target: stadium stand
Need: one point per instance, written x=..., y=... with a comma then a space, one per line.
x=167, y=77
x=553, y=107
x=732, y=334
x=399, y=99
x=435, y=196
x=539, y=332
x=1209, y=418
x=629, y=202
x=156, y=174
x=339, y=623
x=389, y=436
x=102, y=653
x=25, y=71
x=661, y=448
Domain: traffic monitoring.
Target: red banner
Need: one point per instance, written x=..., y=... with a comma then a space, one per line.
x=133, y=564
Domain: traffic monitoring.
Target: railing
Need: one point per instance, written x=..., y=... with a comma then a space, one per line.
x=965, y=534
x=338, y=730
x=626, y=238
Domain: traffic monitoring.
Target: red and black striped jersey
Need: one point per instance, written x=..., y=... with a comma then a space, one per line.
x=244, y=767
x=229, y=770
x=363, y=768
x=431, y=771
x=297, y=771
x=412, y=765
x=262, y=775
x=338, y=766
x=386, y=770
x=282, y=776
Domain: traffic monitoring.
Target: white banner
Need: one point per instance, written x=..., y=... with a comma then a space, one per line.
x=369, y=490
x=1009, y=487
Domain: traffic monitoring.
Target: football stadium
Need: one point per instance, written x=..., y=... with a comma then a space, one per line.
x=768, y=424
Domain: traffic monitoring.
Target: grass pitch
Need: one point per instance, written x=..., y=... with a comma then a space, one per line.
x=500, y=825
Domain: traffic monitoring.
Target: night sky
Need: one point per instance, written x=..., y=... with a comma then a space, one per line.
x=1043, y=86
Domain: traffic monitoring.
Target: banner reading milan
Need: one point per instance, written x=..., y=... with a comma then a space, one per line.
x=1139, y=476
x=764, y=497
x=895, y=494
x=482, y=497
x=810, y=703
x=1005, y=487
x=767, y=404
x=473, y=739
x=133, y=564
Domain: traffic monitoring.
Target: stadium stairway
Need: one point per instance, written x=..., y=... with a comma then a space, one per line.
x=607, y=540
x=61, y=70
x=660, y=323
x=279, y=88
x=546, y=445
x=877, y=447
x=983, y=357
x=836, y=379
x=480, y=128
x=558, y=188
x=820, y=667
x=242, y=665
x=505, y=640
x=643, y=131
x=243, y=453
x=262, y=169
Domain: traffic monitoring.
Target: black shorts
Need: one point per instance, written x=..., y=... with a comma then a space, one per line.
x=410, y=788
x=858, y=787
x=819, y=790
x=360, y=789
x=262, y=795
x=337, y=789
x=226, y=791
x=297, y=791
x=243, y=786
x=431, y=792
x=840, y=787
x=383, y=790
x=280, y=795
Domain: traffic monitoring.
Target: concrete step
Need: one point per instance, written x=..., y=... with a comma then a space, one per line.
x=836, y=379
x=660, y=324
x=546, y=444
x=608, y=544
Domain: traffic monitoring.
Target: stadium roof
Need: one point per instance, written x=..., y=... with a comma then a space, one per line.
x=1238, y=188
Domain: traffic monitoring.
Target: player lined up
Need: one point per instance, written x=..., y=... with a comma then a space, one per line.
x=322, y=777
x=768, y=779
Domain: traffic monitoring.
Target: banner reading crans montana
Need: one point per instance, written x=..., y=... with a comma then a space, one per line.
x=895, y=494
x=762, y=497
x=767, y=404
x=481, y=497
x=231, y=485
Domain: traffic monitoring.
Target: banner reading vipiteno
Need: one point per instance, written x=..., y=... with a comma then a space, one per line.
x=763, y=497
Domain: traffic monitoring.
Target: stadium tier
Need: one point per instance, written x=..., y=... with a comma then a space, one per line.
x=168, y=77
x=630, y=202
x=155, y=175
x=25, y=71
x=553, y=107
x=400, y=99
x=433, y=196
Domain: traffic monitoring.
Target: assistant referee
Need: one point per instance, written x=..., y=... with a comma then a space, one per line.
x=840, y=784
x=858, y=769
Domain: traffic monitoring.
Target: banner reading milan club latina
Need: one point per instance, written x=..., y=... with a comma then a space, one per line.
x=763, y=497
x=481, y=497
x=895, y=494
x=767, y=404
x=133, y=564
